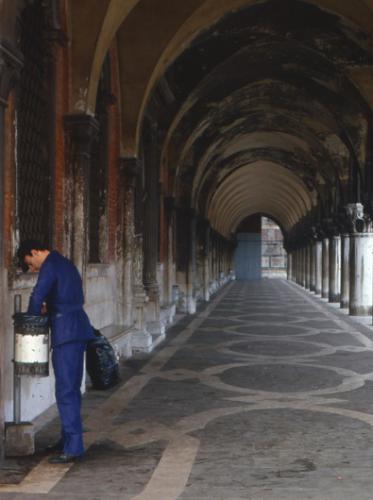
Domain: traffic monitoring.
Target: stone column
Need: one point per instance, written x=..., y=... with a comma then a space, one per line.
x=304, y=267
x=10, y=67
x=191, y=300
x=130, y=310
x=313, y=266
x=345, y=270
x=170, y=227
x=299, y=267
x=307, y=255
x=325, y=269
x=211, y=262
x=361, y=274
x=206, y=266
x=318, y=267
x=151, y=234
x=361, y=257
x=289, y=267
x=80, y=130
x=335, y=268
x=294, y=265
x=186, y=258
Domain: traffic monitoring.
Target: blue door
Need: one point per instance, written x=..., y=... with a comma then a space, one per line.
x=248, y=256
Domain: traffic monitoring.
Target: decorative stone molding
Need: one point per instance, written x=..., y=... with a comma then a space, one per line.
x=54, y=31
x=81, y=130
x=130, y=168
x=358, y=221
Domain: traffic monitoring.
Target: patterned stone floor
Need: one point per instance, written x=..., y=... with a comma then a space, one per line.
x=265, y=394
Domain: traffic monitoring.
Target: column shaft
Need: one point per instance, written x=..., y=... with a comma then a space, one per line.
x=345, y=270
x=361, y=274
x=318, y=267
x=307, y=256
x=313, y=266
x=325, y=269
x=303, y=267
x=80, y=131
x=289, y=267
x=335, y=269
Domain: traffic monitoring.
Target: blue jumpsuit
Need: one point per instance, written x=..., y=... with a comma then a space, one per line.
x=60, y=286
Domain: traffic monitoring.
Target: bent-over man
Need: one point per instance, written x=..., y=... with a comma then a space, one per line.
x=59, y=286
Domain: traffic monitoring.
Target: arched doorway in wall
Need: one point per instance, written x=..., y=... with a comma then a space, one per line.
x=274, y=256
x=248, y=253
x=260, y=252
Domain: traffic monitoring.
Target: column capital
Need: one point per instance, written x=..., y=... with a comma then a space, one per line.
x=54, y=32
x=129, y=166
x=357, y=219
x=330, y=227
x=82, y=130
x=11, y=64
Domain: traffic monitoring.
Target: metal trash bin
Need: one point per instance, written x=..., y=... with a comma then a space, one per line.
x=31, y=345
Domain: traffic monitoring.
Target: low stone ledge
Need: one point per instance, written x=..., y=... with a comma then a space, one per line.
x=120, y=337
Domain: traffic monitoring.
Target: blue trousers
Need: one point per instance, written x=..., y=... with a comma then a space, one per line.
x=68, y=362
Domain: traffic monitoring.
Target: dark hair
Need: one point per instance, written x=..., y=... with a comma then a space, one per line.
x=25, y=248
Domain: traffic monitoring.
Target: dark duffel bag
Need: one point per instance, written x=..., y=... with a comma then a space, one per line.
x=102, y=364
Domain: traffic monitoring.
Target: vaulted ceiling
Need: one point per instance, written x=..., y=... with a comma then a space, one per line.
x=264, y=106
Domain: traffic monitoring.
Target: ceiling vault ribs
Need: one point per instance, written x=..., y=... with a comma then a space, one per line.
x=261, y=105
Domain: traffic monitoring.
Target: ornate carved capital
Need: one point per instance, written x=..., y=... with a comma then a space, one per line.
x=357, y=220
x=129, y=166
x=81, y=130
x=54, y=31
x=129, y=169
x=11, y=63
x=330, y=227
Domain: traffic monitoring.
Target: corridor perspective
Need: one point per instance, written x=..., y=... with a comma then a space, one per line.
x=265, y=394
x=206, y=167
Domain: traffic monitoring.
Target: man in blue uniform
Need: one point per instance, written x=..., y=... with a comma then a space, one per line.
x=59, y=288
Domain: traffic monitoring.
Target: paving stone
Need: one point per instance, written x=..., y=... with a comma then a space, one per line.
x=264, y=394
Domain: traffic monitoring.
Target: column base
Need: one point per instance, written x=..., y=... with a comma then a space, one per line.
x=345, y=304
x=141, y=341
x=19, y=439
x=192, y=305
x=187, y=305
x=155, y=328
x=334, y=297
x=167, y=314
x=214, y=287
x=360, y=310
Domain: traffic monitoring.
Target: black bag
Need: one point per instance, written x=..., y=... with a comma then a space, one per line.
x=102, y=364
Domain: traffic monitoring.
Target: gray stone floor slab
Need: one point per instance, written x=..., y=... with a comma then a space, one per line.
x=265, y=394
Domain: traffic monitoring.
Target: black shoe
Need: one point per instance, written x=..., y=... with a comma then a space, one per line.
x=64, y=459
